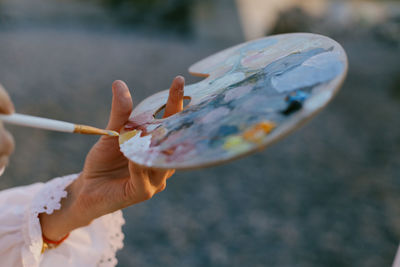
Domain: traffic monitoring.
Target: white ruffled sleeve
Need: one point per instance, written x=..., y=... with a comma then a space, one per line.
x=21, y=235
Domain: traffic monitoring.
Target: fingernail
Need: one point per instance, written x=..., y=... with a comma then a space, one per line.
x=180, y=78
x=179, y=84
x=118, y=86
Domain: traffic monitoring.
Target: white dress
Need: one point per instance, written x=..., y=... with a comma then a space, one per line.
x=21, y=235
x=396, y=262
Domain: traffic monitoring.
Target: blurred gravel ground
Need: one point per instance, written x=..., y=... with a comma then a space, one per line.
x=328, y=195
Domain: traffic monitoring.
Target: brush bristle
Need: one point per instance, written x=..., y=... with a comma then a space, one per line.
x=112, y=133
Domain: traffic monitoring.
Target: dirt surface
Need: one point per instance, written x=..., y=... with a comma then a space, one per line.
x=328, y=195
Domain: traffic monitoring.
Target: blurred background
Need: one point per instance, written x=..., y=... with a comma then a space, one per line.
x=328, y=195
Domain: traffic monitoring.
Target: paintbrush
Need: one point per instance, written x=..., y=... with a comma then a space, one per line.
x=53, y=125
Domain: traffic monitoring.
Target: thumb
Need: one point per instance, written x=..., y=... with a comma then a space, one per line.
x=121, y=106
x=6, y=106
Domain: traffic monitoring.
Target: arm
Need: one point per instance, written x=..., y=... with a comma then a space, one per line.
x=87, y=205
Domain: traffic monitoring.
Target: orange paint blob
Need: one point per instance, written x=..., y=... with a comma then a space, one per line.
x=258, y=131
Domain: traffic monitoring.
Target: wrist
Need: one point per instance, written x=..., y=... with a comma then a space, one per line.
x=57, y=225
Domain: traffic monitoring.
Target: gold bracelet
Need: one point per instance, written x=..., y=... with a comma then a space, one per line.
x=50, y=244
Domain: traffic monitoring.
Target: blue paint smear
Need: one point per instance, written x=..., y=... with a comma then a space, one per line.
x=318, y=69
x=298, y=96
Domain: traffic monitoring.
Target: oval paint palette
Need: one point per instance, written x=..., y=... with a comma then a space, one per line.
x=253, y=94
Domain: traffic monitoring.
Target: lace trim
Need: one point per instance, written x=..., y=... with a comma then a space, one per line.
x=113, y=223
x=46, y=200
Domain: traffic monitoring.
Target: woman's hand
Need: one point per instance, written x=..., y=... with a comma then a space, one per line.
x=109, y=181
x=6, y=139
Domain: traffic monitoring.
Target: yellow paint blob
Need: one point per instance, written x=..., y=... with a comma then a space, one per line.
x=236, y=144
x=233, y=141
x=126, y=136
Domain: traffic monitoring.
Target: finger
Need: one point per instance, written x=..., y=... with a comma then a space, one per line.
x=163, y=184
x=161, y=188
x=170, y=173
x=6, y=142
x=6, y=106
x=159, y=177
x=175, y=98
x=3, y=162
x=156, y=177
x=2, y=169
x=121, y=106
x=140, y=183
